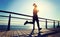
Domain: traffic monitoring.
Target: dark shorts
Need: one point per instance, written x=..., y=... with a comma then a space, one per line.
x=35, y=18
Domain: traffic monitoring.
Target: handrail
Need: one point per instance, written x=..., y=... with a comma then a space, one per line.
x=21, y=18
x=15, y=17
x=25, y=15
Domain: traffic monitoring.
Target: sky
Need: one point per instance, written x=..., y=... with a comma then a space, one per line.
x=47, y=9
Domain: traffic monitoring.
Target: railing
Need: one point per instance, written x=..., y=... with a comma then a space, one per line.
x=9, y=21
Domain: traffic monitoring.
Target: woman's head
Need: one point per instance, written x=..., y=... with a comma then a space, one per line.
x=34, y=5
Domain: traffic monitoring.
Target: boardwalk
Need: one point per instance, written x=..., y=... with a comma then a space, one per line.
x=25, y=33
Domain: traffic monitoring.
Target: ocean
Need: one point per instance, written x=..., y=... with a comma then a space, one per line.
x=15, y=27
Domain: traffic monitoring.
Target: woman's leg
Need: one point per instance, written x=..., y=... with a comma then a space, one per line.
x=38, y=25
x=32, y=32
x=33, y=22
x=28, y=23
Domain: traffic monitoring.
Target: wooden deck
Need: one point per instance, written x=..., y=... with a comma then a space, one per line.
x=25, y=33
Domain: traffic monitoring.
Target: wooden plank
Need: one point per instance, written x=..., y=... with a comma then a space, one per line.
x=20, y=33
x=15, y=34
x=12, y=33
x=7, y=34
x=3, y=34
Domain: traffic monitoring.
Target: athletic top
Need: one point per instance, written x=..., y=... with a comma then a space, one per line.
x=35, y=11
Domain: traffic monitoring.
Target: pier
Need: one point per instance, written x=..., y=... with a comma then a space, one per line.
x=45, y=32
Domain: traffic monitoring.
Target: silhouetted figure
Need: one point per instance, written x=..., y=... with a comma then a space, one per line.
x=35, y=18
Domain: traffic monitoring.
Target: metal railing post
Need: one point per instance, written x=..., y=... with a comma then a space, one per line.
x=9, y=20
x=46, y=23
x=58, y=24
x=54, y=24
